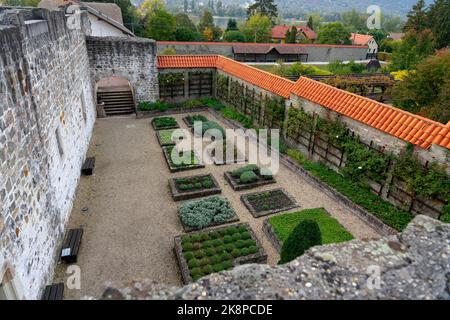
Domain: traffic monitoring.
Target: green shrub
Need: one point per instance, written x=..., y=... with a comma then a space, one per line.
x=204, y=261
x=185, y=239
x=202, y=213
x=210, y=251
x=233, y=115
x=207, y=269
x=226, y=256
x=216, y=259
x=218, y=267
x=248, y=177
x=227, y=264
x=253, y=249
x=445, y=217
x=164, y=122
x=195, y=237
x=246, y=235
x=198, y=185
x=204, y=236
x=229, y=247
x=214, y=235
x=212, y=125
x=266, y=173
x=193, y=263
x=242, y=228
x=186, y=187
x=207, y=244
x=232, y=230
x=199, y=253
x=197, y=245
x=220, y=249
x=250, y=242
x=223, y=232
x=236, y=252
x=238, y=172
x=158, y=105
x=217, y=242
x=187, y=246
x=207, y=184
x=240, y=244
x=227, y=239
x=245, y=251
x=188, y=255
x=196, y=272
x=236, y=236
x=304, y=236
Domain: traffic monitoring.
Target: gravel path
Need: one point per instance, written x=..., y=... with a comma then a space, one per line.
x=131, y=218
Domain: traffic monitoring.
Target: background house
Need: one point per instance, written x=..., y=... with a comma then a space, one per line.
x=105, y=18
x=365, y=40
x=303, y=32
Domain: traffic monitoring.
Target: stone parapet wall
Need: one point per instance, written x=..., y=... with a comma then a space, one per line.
x=47, y=113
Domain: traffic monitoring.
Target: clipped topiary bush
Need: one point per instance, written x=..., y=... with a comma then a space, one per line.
x=227, y=264
x=188, y=255
x=304, y=236
x=253, y=249
x=207, y=269
x=187, y=246
x=199, y=253
x=248, y=177
x=193, y=263
x=238, y=172
x=236, y=252
x=218, y=267
x=245, y=251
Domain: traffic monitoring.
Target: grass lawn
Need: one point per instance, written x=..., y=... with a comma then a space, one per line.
x=332, y=231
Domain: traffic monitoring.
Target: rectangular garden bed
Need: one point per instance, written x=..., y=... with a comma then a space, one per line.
x=268, y=202
x=248, y=177
x=205, y=213
x=214, y=250
x=161, y=123
x=278, y=228
x=165, y=137
x=189, y=120
x=193, y=187
x=238, y=157
x=155, y=113
x=194, y=162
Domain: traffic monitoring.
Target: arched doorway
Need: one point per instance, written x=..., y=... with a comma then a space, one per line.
x=116, y=96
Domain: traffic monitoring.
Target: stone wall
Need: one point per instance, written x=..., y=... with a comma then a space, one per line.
x=316, y=53
x=47, y=115
x=412, y=265
x=130, y=58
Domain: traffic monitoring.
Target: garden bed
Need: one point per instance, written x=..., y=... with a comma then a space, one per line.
x=278, y=228
x=154, y=113
x=165, y=137
x=189, y=120
x=193, y=187
x=238, y=157
x=215, y=250
x=161, y=123
x=268, y=202
x=194, y=162
x=240, y=179
x=205, y=213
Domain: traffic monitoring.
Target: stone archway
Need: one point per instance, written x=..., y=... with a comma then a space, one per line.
x=115, y=96
x=131, y=58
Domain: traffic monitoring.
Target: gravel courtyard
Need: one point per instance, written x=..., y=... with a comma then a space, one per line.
x=131, y=219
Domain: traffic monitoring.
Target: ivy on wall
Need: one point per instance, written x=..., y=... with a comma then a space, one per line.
x=171, y=79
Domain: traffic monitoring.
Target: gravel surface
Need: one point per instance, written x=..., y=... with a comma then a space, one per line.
x=131, y=218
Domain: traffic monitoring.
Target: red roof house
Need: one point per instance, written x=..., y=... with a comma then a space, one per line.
x=279, y=32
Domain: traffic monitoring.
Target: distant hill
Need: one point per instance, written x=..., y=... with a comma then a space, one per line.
x=388, y=7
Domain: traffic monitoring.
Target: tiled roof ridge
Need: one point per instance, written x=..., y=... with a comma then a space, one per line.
x=396, y=122
x=263, y=43
x=372, y=101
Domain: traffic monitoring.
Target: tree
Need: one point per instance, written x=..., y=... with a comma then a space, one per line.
x=334, y=33
x=310, y=23
x=186, y=34
x=161, y=26
x=263, y=7
x=258, y=28
x=304, y=236
x=393, y=24
x=354, y=21
x=148, y=7
x=206, y=22
x=291, y=35
x=232, y=25
x=234, y=36
x=219, y=8
x=378, y=34
x=413, y=49
x=183, y=21
x=439, y=21
x=417, y=18
x=427, y=90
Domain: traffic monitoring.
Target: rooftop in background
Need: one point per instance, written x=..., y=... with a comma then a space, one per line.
x=396, y=35
x=255, y=44
x=409, y=127
x=279, y=32
x=360, y=39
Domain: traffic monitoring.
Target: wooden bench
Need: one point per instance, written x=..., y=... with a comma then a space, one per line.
x=88, y=166
x=53, y=292
x=71, y=246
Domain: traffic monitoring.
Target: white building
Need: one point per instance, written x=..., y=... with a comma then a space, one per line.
x=105, y=18
x=365, y=40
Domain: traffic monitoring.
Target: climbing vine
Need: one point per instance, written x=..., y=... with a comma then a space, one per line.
x=171, y=79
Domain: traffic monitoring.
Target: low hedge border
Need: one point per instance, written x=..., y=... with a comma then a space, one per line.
x=238, y=187
x=159, y=139
x=258, y=214
x=178, y=169
x=164, y=128
x=259, y=257
x=140, y=114
x=187, y=122
x=270, y=233
x=190, y=194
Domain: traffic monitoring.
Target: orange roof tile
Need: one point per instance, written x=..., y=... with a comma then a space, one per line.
x=404, y=125
x=399, y=123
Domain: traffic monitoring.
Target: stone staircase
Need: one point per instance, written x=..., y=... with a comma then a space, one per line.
x=117, y=100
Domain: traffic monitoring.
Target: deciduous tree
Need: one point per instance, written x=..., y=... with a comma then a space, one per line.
x=334, y=33
x=263, y=7
x=258, y=28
